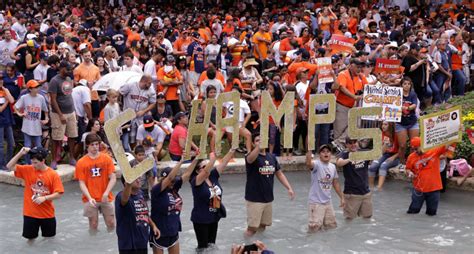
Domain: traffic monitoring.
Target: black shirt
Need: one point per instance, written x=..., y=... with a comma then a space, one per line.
x=260, y=174
x=356, y=176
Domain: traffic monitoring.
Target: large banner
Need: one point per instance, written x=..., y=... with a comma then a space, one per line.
x=388, y=66
x=324, y=70
x=441, y=128
x=340, y=43
x=387, y=97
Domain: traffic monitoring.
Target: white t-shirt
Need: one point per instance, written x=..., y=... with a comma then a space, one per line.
x=40, y=72
x=301, y=90
x=20, y=30
x=212, y=51
x=150, y=69
x=134, y=68
x=81, y=95
x=7, y=48
x=244, y=109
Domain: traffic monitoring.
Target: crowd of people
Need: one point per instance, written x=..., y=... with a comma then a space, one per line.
x=53, y=54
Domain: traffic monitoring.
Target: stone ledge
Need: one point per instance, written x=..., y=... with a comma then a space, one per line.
x=66, y=172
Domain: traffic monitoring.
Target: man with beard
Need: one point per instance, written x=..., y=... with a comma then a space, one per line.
x=63, y=117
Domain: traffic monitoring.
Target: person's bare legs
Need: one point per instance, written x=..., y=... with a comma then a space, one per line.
x=243, y=132
x=174, y=249
x=110, y=222
x=371, y=182
x=380, y=183
x=93, y=223
x=157, y=251
x=402, y=145
x=71, y=142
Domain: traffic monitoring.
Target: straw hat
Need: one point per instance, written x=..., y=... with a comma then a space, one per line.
x=249, y=62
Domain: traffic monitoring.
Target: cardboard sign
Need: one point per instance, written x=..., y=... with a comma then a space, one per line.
x=388, y=66
x=198, y=129
x=388, y=97
x=441, y=128
x=370, y=133
x=268, y=109
x=325, y=70
x=111, y=130
x=341, y=44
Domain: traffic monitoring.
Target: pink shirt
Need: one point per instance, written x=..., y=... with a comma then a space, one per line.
x=178, y=132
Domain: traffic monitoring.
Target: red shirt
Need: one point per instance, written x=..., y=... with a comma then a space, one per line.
x=178, y=132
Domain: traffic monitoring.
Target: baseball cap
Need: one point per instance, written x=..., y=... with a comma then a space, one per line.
x=179, y=115
x=63, y=45
x=148, y=121
x=160, y=95
x=165, y=172
x=361, y=53
x=335, y=58
x=350, y=140
x=39, y=150
x=44, y=55
x=170, y=58
x=32, y=43
x=31, y=36
x=83, y=82
x=325, y=146
x=32, y=83
x=64, y=64
x=415, y=142
x=75, y=39
x=195, y=34
x=415, y=46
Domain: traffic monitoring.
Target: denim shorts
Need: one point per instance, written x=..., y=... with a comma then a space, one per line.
x=399, y=127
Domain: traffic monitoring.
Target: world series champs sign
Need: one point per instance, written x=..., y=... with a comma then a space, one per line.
x=284, y=110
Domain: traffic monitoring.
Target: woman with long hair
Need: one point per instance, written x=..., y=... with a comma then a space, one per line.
x=389, y=158
x=408, y=128
x=207, y=196
x=277, y=96
x=166, y=205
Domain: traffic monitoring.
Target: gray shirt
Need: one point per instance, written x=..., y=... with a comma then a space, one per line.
x=136, y=98
x=62, y=87
x=322, y=177
x=32, y=106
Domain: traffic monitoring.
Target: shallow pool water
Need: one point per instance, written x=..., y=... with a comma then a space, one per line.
x=391, y=230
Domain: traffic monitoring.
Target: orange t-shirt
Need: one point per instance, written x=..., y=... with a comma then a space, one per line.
x=426, y=169
x=285, y=45
x=262, y=46
x=172, y=92
x=229, y=85
x=457, y=60
x=132, y=36
x=204, y=77
x=95, y=174
x=91, y=74
x=352, y=84
x=38, y=183
x=228, y=29
x=352, y=26
x=182, y=44
x=294, y=67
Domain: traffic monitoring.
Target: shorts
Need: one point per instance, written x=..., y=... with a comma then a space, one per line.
x=259, y=214
x=399, y=127
x=164, y=242
x=32, y=225
x=106, y=209
x=358, y=205
x=144, y=251
x=322, y=215
x=59, y=130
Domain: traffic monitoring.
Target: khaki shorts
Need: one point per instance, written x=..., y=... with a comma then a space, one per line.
x=259, y=214
x=59, y=129
x=322, y=215
x=106, y=209
x=358, y=205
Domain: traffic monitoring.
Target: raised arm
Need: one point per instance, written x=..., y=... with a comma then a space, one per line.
x=169, y=178
x=284, y=181
x=187, y=174
x=205, y=172
x=252, y=156
x=220, y=168
x=12, y=163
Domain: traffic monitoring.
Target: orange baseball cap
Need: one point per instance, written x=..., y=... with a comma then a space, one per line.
x=415, y=142
x=32, y=84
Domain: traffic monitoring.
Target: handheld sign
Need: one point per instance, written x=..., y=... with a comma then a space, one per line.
x=198, y=129
x=441, y=128
x=340, y=43
x=387, y=97
x=111, y=130
x=371, y=133
x=388, y=66
x=268, y=109
x=314, y=118
x=232, y=121
x=324, y=70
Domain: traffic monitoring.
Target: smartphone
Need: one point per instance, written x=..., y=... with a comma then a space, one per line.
x=249, y=248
